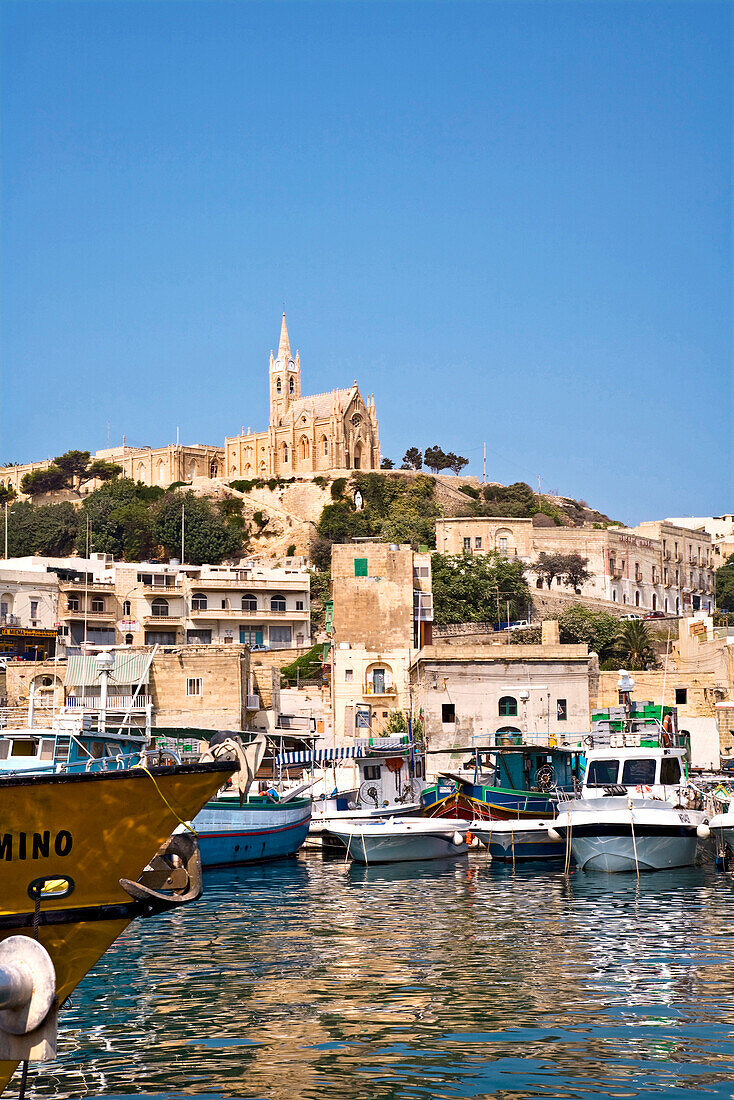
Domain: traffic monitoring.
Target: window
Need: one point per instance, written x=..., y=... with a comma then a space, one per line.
x=360, y=567
x=508, y=707
x=681, y=697
x=277, y=603
x=448, y=712
x=128, y=639
x=160, y=637
x=225, y=605
x=478, y=542
x=325, y=444
x=198, y=637
x=670, y=771
x=126, y=608
x=160, y=609
x=378, y=681
x=638, y=772
x=193, y=685
x=285, y=452
x=34, y=609
x=278, y=387
x=637, y=599
x=72, y=602
x=614, y=595
x=280, y=637
x=539, y=582
x=654, y=602
x=561, y=710
x=421, y=571
x=291, y=386
x=602, y=773
x=467, y=546
x=251, y=636
x=97, y=606
x=503, y=544
x=372, y=771
x=349, y=675
x=198, y=601
x=249, y=602
x=299, y=605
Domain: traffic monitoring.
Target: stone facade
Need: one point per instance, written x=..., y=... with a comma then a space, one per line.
x=383, y=613
x=307, y=435
x=652, y=567
x=467, y=694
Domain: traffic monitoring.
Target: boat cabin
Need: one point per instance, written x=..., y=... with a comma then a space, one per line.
x=648, y=771
x=62, y=749
x=525, y=768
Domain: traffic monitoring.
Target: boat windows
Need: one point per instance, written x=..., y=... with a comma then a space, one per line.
x=47, y=749
x=4, y=750
x=638, y=772
x=372, y=771
x=670, y=771
x=602, y=773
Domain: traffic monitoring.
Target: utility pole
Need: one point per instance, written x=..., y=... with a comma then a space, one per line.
x=183, y=507
x=6, y=530
x=484, y=465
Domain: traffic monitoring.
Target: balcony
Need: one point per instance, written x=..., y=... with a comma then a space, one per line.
x=105, y=587
x=9, y=620
x=163, y=621
x=90, y=616
x=158, y=589
x=116, y=703
x=213, y=613
x=386, y=693
x=250, y=584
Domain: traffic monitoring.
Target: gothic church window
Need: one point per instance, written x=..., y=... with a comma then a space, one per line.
x=291, y=386
x=304, y=447
x=325, y=444
x=285, y=452
x=278, y=386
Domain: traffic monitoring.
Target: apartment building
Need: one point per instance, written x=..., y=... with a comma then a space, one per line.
x=382, y=614
x=28, y=611
x=652, y=567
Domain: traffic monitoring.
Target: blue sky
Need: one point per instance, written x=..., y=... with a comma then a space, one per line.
x=510, y=221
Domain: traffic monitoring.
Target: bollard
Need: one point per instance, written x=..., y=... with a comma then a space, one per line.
x=27, y=1000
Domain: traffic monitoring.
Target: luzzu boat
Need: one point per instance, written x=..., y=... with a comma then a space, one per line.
x=76, y=852
x=506, y=782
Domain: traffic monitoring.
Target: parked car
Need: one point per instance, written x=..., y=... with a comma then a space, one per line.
x=630, y=617
x=521, y=624
x=656, y=615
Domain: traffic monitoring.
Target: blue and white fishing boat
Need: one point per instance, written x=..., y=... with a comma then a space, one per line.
x=236, y=827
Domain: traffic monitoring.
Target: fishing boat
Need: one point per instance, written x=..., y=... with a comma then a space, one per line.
x=371, y=779
x=71, y=744
x=506, y=781
x=238, y=827
x=395, y=839
x=637, y=812
x=79, y=860
x=518, y=840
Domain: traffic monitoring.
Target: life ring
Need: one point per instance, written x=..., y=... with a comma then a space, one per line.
x=667, y=730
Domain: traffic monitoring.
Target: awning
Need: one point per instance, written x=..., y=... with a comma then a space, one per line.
x=128, y=669
x=361, y=750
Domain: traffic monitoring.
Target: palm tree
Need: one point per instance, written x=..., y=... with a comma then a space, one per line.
x=634, y=645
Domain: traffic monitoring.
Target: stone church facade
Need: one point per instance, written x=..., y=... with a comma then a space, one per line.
x=307, y=435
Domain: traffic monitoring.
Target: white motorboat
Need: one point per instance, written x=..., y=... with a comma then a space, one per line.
x=722, y=829
x=636, y=812
x=394, y=839
x=517, y=840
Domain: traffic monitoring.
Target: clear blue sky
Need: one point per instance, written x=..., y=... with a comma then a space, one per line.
x=512, y=222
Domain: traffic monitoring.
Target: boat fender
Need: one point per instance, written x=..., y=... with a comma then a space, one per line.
x=458, y=839
x=475, y=842
x=553, y=833
x=703, y=830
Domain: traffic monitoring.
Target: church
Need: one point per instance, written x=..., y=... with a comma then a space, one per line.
x=307, y=435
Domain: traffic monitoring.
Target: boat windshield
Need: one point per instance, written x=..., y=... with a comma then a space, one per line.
x=602, y=773
x=638, y=772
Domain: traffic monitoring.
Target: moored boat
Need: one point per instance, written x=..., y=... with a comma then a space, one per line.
x=259, y=829
x=511, y=841
x=394, y=839
x=74, y=851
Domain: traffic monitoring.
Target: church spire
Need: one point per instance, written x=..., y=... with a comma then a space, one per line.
x=284, y=348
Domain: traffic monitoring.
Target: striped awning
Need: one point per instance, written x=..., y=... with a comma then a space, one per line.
x=359, y=751
x=83, y=671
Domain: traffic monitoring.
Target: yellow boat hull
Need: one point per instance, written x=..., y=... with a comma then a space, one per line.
x=88, y=831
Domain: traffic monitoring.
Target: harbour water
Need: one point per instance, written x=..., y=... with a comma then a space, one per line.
x=305, y=979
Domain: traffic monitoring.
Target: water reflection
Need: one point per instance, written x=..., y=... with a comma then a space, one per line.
x=458, y=979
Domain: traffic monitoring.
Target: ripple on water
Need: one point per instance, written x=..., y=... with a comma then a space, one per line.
x=316, y=979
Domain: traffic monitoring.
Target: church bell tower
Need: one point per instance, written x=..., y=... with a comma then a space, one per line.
x=285, y=378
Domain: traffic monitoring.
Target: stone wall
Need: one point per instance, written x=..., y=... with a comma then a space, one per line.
x=223, y=671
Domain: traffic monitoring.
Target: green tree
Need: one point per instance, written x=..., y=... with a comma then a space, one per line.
x=467, y=588
x=413, y=459
x=74, y=466
x=7, y=493
x=436, y=459
x=571, y=568
x=48, y=529
x=120, y=521
x=207, y=537
x=456, y=462
x=725, y=585
x=43, y=481
x=634, y=645
x=598, y=629
x=575, y=573
x=102, y=471
x=387, y=464
x=549, y=566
